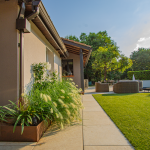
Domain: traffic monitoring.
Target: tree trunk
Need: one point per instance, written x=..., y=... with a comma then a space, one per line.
x=105, y=73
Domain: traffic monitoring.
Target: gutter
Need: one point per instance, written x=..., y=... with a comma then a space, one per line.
x=44, y=15
x=35, y=9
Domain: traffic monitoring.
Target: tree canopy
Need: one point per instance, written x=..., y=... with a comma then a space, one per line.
x=109, y=59
x=105, y=55
x=141, y=59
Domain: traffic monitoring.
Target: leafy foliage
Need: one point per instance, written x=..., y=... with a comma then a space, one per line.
x=72, y=37
x=141, y=75
x=141, y=59
x=2, y=114
x=109, y=59
x=48, y=99
x=104, y=59
x=105, y=56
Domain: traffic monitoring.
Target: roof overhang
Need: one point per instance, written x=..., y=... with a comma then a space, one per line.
x=45, y=25
x=74, y=47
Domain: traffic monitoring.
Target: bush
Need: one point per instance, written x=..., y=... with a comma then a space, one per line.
x=49, y=98
x=141, y=75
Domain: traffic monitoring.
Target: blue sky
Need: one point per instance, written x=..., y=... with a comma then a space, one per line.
x=126, y=21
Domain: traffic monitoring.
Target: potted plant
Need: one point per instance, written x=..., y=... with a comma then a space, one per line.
x=24, y=122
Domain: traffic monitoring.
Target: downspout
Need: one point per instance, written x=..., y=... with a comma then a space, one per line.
x=21, y=64
x=35, y=10
x=21, y=82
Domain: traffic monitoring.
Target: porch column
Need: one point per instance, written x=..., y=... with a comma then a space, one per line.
x=81, y=69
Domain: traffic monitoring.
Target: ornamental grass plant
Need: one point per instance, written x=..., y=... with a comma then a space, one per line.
x=62, y=101
x=49, y=98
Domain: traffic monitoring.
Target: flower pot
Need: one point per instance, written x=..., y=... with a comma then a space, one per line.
x=30, y=134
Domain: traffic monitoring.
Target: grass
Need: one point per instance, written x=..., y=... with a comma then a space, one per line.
x=131, y=113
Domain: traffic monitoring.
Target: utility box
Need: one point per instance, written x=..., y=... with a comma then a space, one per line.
x=23, y=24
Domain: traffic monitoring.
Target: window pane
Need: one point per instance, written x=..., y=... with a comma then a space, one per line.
x=67, y=66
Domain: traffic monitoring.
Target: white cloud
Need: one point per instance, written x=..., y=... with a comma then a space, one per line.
x=137, y=46
x=143, y=42
x=136, y=36
x=141, y=39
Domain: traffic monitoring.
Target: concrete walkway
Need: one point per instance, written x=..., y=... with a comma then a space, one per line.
x=97, y=132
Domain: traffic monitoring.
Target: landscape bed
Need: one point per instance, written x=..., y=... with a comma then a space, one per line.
x=49, y=99
x=30, y=134
x=130, y=112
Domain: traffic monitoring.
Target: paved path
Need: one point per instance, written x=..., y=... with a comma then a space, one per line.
x=98, y=132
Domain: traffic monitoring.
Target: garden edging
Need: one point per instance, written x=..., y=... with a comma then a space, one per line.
x=30, y=134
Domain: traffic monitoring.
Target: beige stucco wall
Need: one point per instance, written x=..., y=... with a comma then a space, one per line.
x=57, y=65
x=76, y=68
x=35, y=47
x=34, y=52
x=9, y=38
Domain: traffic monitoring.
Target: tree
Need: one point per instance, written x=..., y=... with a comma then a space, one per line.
x=72, y=37
x=141, y=59
x=95, y=40
x=100, y=41
x=109, y=59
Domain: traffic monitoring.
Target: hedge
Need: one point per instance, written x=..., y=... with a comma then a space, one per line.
x=141, y=75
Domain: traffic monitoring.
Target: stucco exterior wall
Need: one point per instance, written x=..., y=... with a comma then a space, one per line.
x=34, y=52
x=9, y=52
x=57, y=65
x=76, y=68
x=35, y=47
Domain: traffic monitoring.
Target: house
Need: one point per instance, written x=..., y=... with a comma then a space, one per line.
x=74, y=64
x=28, y=36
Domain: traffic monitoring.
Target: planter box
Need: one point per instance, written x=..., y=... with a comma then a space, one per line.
x=30, y=134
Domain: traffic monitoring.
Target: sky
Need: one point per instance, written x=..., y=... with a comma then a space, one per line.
x=127, y=22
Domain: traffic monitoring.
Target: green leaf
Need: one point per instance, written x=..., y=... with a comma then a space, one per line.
x=22, y=124
x=13, y=103
x=37, y=116
x=27, y=124
x=11, y=110
x=29, y=119
x=18, y=119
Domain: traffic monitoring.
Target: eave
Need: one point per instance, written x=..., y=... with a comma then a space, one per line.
x=74, y=47
x=45, y=25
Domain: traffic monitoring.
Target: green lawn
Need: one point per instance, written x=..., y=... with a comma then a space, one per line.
x=131, y=113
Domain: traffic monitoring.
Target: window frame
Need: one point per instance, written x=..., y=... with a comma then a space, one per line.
x=68, y=60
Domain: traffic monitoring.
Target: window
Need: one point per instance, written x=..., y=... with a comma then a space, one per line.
x=50, y=58
x=67, y=67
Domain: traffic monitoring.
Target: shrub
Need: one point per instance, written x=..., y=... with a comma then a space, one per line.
x=49, y=98
x=141, y=75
